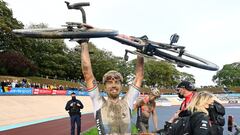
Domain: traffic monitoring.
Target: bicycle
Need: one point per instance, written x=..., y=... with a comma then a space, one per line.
x=144, y=47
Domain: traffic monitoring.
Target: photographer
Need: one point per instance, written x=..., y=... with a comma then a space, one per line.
x=73, y=107
x=206, y=117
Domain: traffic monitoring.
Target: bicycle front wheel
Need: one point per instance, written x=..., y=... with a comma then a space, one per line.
x=65, y=33
x=186, y=59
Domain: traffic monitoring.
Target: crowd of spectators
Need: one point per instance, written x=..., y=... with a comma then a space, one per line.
x=6, y=85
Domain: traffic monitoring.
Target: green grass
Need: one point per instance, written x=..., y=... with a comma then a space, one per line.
x=93, y=131
x=42, y=81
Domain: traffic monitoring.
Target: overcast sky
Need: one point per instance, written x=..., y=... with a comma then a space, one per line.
x=208, y=28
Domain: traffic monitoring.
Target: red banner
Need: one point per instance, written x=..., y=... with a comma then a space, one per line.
x=42, y=92
x=59, y=92
x=49, y=92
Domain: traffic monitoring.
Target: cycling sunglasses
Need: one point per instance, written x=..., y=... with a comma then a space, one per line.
x=113, y=77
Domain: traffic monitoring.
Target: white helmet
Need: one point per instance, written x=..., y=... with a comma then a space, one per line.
x=156, y=92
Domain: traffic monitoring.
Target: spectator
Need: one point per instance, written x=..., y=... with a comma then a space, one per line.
x=24, y=83
x=3, y=84
x=14, y=83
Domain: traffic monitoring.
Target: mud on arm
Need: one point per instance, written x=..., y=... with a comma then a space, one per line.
x=139, y=72
x=86, y=66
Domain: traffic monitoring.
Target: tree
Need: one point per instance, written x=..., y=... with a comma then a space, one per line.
x=187, y=77
x=103, y=61
x=15, y=63
x=158, y=73
x=7, y=23
x=229, y=75
x=49, y=55
x=13, y=59
x=74, y=64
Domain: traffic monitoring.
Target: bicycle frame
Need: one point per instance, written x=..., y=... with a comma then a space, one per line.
x=151, y=48
x=143, y=45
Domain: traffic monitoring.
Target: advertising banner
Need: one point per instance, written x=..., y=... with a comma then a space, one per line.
x=59, y=92
x=71, y=91
x=18, y=91
x=83, y=93
x=42, y=92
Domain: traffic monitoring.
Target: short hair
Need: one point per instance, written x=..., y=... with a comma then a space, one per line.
x=156, y=92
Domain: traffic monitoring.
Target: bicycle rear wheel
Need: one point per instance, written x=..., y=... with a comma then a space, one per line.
x=186, y=59
x=65, y=33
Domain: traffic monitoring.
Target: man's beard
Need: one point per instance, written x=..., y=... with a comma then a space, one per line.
x=115, y=95
x=180, y=95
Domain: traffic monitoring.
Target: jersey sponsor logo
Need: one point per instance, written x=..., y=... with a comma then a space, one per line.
x=204, y=124
x=98, y=127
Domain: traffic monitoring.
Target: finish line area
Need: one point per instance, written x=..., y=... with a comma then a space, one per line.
x=46, y=114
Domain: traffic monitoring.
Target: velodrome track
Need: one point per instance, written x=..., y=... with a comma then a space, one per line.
x=45, y=115
x=40, y=115
x=55, y=127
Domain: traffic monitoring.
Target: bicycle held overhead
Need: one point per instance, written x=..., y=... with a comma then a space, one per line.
x=145, y=47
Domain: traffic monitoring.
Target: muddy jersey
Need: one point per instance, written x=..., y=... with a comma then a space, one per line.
x=113, y=117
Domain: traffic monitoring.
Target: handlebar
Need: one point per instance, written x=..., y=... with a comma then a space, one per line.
x=78, y=6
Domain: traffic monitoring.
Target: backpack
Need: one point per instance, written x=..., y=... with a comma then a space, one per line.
x=216, y=113
x=180, y=127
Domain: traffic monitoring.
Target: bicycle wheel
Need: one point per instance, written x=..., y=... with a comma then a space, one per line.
x=65, y=33
x=186, y=59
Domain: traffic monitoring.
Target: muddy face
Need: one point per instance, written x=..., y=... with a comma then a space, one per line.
x=113, y=88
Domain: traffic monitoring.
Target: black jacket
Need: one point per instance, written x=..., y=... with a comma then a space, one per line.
x=200, y=124
x=73, y=107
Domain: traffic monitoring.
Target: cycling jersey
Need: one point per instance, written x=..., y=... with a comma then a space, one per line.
x=113, y=117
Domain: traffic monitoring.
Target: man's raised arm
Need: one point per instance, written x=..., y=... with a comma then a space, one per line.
x=139, y=72
x=86, y=66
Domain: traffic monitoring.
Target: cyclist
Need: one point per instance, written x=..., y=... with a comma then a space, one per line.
x=112, y=114
x=146, y=106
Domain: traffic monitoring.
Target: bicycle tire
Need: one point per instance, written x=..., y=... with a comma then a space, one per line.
x=200, y=62
x=61, y=33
